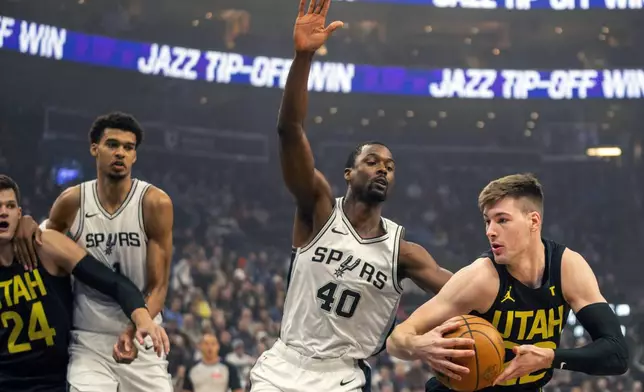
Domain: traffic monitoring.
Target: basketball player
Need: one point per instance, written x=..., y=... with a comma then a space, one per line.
x=119, y=220
x=348, y=261
x=525, y=286
x=36, y=305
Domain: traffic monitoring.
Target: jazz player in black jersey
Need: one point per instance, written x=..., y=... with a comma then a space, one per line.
x=525, y=285
x=36, y=305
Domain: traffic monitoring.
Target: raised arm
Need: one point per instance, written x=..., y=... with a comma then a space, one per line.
x=309, y=187
x=421, y=335
x=418, y=265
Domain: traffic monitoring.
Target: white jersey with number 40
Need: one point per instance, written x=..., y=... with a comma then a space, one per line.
x=119, y=241
x=342, y=291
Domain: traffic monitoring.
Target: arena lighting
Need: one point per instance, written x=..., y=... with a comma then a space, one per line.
x=604, y=152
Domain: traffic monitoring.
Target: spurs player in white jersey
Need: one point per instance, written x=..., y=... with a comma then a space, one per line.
x=127, y=224
x=348, y=261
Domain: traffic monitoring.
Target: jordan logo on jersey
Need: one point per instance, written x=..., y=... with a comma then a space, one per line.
x=508, y=296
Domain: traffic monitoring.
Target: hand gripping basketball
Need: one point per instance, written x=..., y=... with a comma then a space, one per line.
x=438, y=351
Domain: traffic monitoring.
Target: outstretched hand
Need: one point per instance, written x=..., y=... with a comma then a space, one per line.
x=309, y=33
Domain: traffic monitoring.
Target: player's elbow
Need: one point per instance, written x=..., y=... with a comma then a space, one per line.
x=621, y=356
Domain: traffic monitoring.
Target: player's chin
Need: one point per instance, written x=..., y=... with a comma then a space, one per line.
x=377, y=195
x=6, y=236
x=118, y=174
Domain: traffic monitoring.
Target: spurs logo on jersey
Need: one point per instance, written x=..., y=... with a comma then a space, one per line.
x=343, y=291
x=119, y=241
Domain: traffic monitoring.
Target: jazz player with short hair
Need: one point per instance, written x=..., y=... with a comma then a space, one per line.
x=343, y=287
x=36, y=305
x=525, y=286
x=127, y=224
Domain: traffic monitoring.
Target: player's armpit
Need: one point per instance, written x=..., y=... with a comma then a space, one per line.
x=64, y=210
x=158, y=218
x=418, y=265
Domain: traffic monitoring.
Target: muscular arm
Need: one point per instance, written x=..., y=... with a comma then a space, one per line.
x=158, y=218
x=607, y=354
x=420, y=266
x=309, y=187
x=62, y=256
x=64, y=210
x=471, y=288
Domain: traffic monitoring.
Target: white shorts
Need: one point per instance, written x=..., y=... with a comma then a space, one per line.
x=92, y=368
x=282, y=369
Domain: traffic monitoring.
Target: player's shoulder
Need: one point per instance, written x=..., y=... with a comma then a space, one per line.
x=71, y=196
x=571, y=260
x=156, y=197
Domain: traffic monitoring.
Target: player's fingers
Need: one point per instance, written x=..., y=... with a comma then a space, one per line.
x=127, y=345
x=449, y=369
x=333, y=26
x=319, y=5
x=454, y=368
x=325, y=7
x=140, y=336
x=505, y=375
x=448, y=327
x=457, y=342
x=21, y=255
x=300, y=11
x=451, y=353
x=32, y=253
x=166, y=341
x=156, y=342
x=311, y=6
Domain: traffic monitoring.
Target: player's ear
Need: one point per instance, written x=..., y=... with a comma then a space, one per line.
x=347, y=174
x=535, y=221
x=93, y=149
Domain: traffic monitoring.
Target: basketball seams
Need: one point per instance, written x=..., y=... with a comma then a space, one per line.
x=483, y=356
x=498, y=354
x=476, y=353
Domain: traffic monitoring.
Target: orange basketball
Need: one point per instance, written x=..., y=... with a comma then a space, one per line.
x=487, y=362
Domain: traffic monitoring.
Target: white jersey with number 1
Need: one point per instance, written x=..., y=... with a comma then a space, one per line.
x=119, y=241
x=343, y=291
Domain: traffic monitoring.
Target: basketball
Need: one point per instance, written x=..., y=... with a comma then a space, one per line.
x=489, y=354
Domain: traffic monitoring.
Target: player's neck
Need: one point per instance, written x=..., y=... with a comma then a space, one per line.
x=364, y=217
x=6, y=254
x=530, y=266
x=112, y=193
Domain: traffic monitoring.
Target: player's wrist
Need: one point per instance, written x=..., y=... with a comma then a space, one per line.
x=140, y=317
x=304, y=55
x=549, y=357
